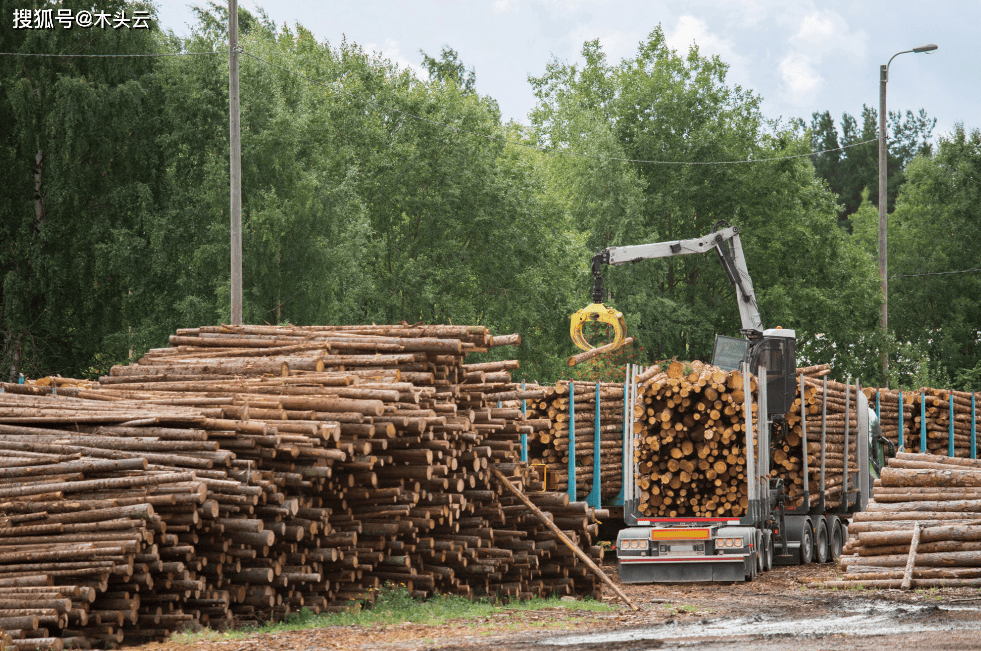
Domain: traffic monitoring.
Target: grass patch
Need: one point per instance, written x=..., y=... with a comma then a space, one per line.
x=394, y=606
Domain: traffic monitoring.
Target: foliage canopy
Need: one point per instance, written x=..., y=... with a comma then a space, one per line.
x=374, y=194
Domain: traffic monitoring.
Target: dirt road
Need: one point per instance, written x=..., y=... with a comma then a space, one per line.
x=779, y=610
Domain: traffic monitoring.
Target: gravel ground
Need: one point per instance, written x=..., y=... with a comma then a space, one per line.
x=779, y=610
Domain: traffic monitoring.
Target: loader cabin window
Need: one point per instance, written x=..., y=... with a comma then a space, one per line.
x=729, y=352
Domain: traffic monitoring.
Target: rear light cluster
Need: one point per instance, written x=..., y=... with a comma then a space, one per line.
x=633, y=543
x=728, y=543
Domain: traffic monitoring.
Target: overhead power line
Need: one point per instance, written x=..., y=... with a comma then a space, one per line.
x=935, y=273
x=106, y=56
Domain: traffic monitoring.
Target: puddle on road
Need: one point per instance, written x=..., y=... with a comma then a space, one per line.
x=857, y=619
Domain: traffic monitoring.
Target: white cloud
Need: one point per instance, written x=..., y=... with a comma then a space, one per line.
x=826, y=31
x=617, y=44
x=574, y=5
x=566, y=6
x=747, y=13
x=505, y=6
x=801, y=81
x=690, y=30
x=823, y=39
x=390, y=50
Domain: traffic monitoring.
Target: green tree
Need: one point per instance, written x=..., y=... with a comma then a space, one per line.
x=79, y=171
x=368, y=195
x=679, y=112
x=855, y=169
x=937, y=228
x=449, y=68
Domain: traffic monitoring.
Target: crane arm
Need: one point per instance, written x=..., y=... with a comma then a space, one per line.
x=725, y=242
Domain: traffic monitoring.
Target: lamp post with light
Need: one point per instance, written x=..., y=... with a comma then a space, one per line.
x=883, y=194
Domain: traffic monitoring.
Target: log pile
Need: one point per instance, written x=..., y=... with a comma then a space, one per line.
x=690, y=443
x=262, y=469
x=831, y=410
x=931, y=410
x=922, y=530
x=548, y=449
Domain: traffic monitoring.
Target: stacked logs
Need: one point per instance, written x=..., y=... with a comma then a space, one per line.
x=923, y=528
x=113, y=513
x=932, y=411
x=317, y=464
x=548, y=449
x=690, y=442
x=831, y=410
x=30, y=608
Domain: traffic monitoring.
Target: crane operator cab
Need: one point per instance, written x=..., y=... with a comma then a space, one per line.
x=774, y=349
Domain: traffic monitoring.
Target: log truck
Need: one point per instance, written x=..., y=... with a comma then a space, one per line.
x=732, y=548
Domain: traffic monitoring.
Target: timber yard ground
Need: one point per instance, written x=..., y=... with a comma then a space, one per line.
x=778, y=610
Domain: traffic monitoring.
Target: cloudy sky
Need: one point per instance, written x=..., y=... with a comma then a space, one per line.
x=800, y=56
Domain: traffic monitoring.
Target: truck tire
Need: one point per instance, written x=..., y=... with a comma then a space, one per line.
x=767, y=551
x=821, y=549
x=806, y=543
x=837, y=539
x=760, y=552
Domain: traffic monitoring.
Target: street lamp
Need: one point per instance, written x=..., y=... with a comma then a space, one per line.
x=883, y=194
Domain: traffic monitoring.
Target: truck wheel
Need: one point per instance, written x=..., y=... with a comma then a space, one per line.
x=806, y=543
x=821, y=550
x=767, y=551
x=837, y=540
x=760, y=552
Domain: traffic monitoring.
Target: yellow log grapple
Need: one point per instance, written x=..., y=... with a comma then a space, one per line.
x=598, y=313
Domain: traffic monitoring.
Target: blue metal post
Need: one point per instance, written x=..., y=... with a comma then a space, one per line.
x=618, y=500
x=595, y=497
x=902, y=418
x=922, y=422
x=974, y=428
x=878, y=406
x=572, y=442
x=950, y=432
x=524, y=435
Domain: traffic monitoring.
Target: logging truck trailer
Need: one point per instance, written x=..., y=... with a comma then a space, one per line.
x=769, y=533
x=732, y=548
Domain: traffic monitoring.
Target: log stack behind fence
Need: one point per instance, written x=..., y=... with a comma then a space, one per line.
x=690, y=442
x=548, y=449
x=936, y=421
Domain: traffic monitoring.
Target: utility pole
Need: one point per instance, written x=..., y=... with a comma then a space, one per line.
x=235, y=161
x=884, y=197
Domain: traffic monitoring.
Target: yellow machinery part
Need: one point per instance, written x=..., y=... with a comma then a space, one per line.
x=599, y=313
